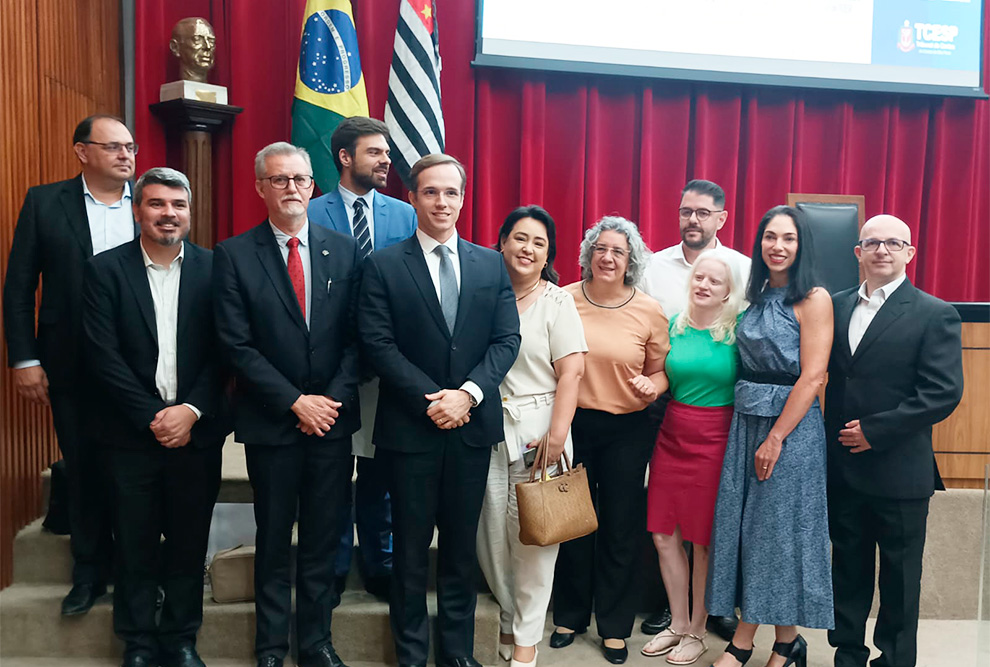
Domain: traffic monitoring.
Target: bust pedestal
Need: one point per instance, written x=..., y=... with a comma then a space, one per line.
x=193, y=124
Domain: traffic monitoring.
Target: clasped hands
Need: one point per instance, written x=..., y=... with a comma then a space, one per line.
x=316, y=414
x=449, y=408
x=172, y=426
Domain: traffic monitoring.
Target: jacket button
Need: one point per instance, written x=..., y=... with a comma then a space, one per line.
x=453, y=347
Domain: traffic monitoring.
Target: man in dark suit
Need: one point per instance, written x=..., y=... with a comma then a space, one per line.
x=438, y=321
x=158, y=408
x=361, y=154
x=60, y=226
x=285, y=299
x=895, y=370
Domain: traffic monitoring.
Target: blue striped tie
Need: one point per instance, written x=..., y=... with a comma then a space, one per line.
x=361, y=231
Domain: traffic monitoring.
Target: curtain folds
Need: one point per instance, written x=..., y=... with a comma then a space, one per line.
x=584, y=146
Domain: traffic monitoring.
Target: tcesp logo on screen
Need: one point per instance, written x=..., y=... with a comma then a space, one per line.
x=931, y=38
x=935, y=32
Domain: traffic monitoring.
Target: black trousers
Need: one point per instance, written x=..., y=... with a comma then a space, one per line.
x=597, y=572
x=90, y=506
x=445, y=488
x=309, y=479
x=858, y=524
x=168, y=492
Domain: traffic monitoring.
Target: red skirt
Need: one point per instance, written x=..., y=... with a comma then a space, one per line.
x=685, y=470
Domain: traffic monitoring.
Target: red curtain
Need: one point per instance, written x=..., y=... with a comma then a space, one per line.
x=584, y=146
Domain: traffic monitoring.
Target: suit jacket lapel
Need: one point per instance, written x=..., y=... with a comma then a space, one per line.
x=319, y=271
x=416, y=264
x=189, y=277
x=74, y=204
x=271, y=260
x=891, y=311
x=469, y=282
x=132, y=263
x=844, y=310
x=381, y=222
x=337, y=214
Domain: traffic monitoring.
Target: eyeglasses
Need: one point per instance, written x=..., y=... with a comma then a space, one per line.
x=114, y=147
x=872, y=245
x=701, y=213
x=281, y=182
x=602, y=250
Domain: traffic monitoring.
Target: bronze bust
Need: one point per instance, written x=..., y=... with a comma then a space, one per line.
x=194, y=44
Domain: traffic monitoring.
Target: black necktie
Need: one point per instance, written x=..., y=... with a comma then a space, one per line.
x=361, y=231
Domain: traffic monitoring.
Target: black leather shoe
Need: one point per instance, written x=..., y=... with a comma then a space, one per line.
x=269, y=661
x=380, y=587
x=616, y=656
x=137, y=660
x=563, y=639
x=324, y=657
x=81, y=598
x=656, y=623
x=340, y=584
x=458, y=662
x=723, y=626
x=185, y=656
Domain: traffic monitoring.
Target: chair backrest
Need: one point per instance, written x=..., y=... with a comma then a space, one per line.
x=835, y=221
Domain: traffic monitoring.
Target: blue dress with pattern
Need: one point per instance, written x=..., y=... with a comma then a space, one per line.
x=770, y=546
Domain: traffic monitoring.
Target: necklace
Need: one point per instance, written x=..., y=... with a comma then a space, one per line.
x=598, y=305
x=530, y=290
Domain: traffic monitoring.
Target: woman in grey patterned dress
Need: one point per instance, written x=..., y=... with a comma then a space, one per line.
x=770, y=550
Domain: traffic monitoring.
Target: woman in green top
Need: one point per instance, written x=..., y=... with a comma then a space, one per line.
x=687, y=459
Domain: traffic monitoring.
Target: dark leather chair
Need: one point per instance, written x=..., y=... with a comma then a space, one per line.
x=835, y=221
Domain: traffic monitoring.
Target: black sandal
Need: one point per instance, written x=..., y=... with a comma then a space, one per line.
x=796, y=652
x=742, y=655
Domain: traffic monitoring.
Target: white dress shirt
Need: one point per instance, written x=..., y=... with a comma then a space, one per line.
x=667, y=272
x=110, y=225
x=283, y=239
x=164, y=283
x=428, y=244
x=349, y=198
x=867, y=309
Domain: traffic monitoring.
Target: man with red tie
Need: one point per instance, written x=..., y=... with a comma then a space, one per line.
x=284, y=299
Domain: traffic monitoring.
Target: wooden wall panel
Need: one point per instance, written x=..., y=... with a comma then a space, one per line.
x=962, y=442
x=59, y=62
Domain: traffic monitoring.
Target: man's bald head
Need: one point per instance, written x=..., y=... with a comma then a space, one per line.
x=885, y=226
x=882, y=264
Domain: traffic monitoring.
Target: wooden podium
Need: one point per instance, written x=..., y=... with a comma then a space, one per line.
x=193, y=124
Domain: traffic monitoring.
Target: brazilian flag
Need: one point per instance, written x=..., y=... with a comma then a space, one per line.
x=329, y=84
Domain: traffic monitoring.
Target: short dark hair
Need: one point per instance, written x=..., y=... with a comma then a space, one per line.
x=433, y=160
x=802, y=276
x=85, y=127
x=349, y=131
x=539, y=214
x=703, y=187
x=160, y=176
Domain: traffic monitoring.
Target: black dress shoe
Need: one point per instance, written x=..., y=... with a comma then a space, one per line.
x=81, y=598
x=562, y=639
x=340, y=584
x=380, y=587
x=616, y=656
x=137, y=660
x=723, y=626
x=324, y=657
x=269, y=661
x=656, y=623
x=185, y=656
x=458, y=662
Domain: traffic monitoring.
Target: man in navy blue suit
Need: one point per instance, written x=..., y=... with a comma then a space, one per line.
x=437, y=318
x=361, y=154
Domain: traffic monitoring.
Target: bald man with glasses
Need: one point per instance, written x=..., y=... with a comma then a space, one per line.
x=895, y=371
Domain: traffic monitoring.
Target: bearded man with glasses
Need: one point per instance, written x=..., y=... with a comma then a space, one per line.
x=895, y=371
x=61, y=225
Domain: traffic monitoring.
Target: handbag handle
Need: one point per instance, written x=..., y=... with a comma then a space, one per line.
x=542, y=460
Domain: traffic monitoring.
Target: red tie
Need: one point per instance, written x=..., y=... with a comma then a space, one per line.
x=296, y=274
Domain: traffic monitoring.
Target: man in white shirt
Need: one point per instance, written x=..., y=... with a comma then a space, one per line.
x=159, y=416
x=702, y=213
x=894, y=372
x=438, y=322
x=60, y=226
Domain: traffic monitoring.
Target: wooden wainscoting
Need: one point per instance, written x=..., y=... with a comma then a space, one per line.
x=59, y=62
x=962, y=442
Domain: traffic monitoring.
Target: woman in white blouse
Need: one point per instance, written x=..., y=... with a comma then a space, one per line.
x=539, y=396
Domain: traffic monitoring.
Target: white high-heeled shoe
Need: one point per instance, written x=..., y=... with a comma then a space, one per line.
x=531, y=663
x=505, y=651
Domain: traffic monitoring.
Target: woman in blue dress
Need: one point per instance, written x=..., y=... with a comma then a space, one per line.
x=770, y=549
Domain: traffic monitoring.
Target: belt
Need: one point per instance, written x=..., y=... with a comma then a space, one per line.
x=768, y=377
